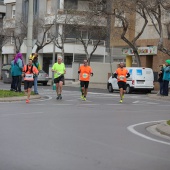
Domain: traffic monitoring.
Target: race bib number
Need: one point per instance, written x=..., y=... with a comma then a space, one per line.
x=59, y=73
x=121, y=77
x=85, y=75
x=28, y=76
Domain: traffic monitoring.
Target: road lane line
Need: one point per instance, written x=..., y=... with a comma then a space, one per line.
x=131, y=129
x=14, y=114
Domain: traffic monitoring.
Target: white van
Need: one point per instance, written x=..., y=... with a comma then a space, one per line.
x=140, y=79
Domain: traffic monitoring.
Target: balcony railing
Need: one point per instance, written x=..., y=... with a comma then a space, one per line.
x=8, y=23
x=78, y=42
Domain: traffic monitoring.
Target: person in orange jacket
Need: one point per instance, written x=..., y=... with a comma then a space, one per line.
x=121, y=74
x=84, y=72
x=29, y=71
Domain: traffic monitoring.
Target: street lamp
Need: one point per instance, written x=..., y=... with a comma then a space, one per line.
x=29, y=30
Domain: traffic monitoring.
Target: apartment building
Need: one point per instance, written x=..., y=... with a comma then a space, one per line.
x=74, y=51
x=2, y=14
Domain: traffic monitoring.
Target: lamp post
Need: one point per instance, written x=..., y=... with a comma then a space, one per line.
x=55, y=32
x=29, y=30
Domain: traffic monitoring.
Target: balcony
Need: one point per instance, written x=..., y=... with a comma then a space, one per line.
x=70, y=16
x=9, y=1
x=8, y=23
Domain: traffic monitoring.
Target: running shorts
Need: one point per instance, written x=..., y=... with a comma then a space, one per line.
x=84, y=84
x=122, y=85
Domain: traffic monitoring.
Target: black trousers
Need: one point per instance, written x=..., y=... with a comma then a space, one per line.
x=165, y=87
x=17, y=83
x=13, y=83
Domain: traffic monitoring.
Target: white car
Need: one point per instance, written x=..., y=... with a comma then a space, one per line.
x=141, y=79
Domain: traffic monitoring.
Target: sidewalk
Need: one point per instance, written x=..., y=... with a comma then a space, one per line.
x=12, y=99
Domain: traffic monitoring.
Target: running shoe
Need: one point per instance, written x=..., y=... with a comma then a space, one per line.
x=82, y=97
x=121, y=101
x=123, y=96
x=27, y=101
x=57, y=97
x=60, y=97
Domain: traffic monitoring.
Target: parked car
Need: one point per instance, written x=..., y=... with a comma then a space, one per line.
x=140, y=79
x=42, y=77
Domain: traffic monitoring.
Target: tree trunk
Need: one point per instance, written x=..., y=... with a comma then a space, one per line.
x=62, y=53
x=137, y=58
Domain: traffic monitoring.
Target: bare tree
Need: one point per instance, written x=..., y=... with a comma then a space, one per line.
x=40, y=33
x=124, y=13
x=63, y=28
x=159, y=13
x=95, y=29
x=3, y=38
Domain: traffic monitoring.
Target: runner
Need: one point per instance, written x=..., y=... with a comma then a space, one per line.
x=85, y=71
x=121, y=74
x=28, y=73
x=59, y=71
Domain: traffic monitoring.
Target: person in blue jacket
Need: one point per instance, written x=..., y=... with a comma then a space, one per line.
x=166, y=78
x=12, y=75
x=17, y=71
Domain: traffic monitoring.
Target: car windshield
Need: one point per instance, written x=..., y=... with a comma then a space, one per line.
x=41, y=71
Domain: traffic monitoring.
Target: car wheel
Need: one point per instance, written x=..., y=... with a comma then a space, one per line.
x=148, y=91
x=128, y=89
x=110, y=89
x=45, y=83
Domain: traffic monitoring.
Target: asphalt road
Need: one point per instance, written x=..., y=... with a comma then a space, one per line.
x=97, y=134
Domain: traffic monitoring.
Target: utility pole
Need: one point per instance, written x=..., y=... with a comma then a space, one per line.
x=29, y=30
x=55, y=32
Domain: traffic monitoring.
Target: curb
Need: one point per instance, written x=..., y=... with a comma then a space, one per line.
x=11, y=99
x=163, y=128
x=155, y=96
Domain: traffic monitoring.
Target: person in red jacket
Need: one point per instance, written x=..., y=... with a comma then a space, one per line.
x=29, y=71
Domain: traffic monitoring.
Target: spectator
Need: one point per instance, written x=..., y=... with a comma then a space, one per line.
x=12, y=74
x=37, y=65
x=166, y=78
x=17, y=71
x=160, y=79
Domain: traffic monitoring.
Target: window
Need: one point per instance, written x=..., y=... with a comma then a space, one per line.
x=48, y=37
x=36, y=7
x=70, y=4
x=68, y=59
x=48, y=7
x=166, y=17
x=13, y=11
x=12, y=38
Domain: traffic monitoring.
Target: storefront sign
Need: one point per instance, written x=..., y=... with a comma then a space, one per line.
x=141, y=51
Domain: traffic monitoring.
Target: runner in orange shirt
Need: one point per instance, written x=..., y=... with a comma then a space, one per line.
x=121, y=74
x=84, y=72
x=28, y=73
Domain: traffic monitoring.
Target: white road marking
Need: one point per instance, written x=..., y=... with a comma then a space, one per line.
x=135, y=102
x=14, y=114
x=131, y=129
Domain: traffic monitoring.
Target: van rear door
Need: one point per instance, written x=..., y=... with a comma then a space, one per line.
x=144, y=78
x=149, y=78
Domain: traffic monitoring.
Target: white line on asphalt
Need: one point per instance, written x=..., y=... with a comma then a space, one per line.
x=14, y=114
x=113, y=104
x=88, y=104
x=136, y=102
x=131, y=129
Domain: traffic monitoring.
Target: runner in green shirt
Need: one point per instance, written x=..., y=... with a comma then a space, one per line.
x=59, y=71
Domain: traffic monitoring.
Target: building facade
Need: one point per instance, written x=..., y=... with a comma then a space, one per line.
x=74, y=51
